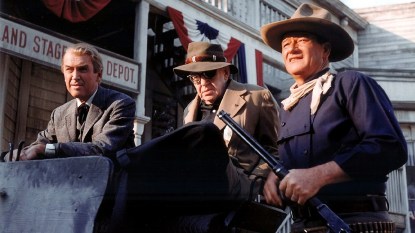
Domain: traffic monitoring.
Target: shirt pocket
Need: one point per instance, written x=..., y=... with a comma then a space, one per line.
x=292, y=129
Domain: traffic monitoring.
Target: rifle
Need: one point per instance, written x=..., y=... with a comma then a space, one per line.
x=334, y=222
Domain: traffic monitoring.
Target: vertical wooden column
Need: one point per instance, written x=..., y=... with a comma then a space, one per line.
x=140, y=55
x=23, y=103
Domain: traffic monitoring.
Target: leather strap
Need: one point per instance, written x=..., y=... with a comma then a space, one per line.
x=361, y=227
x=347, y=205
x=375, y=227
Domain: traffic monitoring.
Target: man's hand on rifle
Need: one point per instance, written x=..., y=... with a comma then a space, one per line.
x=299, y=185
x=271, y=190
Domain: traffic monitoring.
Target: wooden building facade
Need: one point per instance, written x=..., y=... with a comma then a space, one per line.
x=141, y=35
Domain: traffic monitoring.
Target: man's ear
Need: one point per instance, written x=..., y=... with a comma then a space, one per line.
x=226, y=72
x=327, y=48
x=99, y=77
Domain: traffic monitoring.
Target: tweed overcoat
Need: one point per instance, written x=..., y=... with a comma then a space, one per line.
x=108, y=126
x=255, y=110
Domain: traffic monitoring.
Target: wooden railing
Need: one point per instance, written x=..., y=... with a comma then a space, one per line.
x=411, y=152
x=285, y=227
x=252, y=13
x=270, y=13
x=397, y=196
x=395, y=189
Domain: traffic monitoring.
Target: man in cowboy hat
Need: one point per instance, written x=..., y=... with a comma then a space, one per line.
x=339, y=136
x=251, y=106
x=202, y=171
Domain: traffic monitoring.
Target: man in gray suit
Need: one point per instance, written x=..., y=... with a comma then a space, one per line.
x=97, y=121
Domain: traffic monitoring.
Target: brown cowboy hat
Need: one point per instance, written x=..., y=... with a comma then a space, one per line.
x=203, y=56
x=315, y=20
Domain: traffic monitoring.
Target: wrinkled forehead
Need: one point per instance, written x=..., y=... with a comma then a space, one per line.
x=75, y=57
x=298, y=34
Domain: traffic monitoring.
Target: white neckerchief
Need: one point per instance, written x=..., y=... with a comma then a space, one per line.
x=319, y=86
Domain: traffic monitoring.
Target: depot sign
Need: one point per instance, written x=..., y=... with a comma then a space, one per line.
x=39, y=46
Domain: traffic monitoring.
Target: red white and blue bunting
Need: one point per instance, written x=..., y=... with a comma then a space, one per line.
x=75, y=11
x=190, y=29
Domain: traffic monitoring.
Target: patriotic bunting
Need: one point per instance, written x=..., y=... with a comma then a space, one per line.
x=189, y=29
x=75, y=11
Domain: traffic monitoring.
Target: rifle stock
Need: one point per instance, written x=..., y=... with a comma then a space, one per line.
x=334, y=222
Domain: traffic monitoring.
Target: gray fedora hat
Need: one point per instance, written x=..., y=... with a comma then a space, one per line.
x=315, y=20
x=203, y=56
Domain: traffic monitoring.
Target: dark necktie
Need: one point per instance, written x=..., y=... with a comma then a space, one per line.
x=208, y=111
x=82, y=113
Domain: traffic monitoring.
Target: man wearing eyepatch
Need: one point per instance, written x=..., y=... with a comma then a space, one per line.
x=252, y=106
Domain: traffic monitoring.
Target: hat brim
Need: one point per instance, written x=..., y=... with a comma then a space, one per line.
x=342, y=45
x=197, y=67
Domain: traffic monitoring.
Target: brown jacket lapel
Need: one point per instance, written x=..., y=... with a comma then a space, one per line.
x=231, y=103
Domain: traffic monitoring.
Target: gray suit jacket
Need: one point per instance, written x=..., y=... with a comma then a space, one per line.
x=108, y=126
x=254, y=108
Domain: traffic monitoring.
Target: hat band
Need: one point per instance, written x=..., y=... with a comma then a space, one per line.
x=213, y=58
